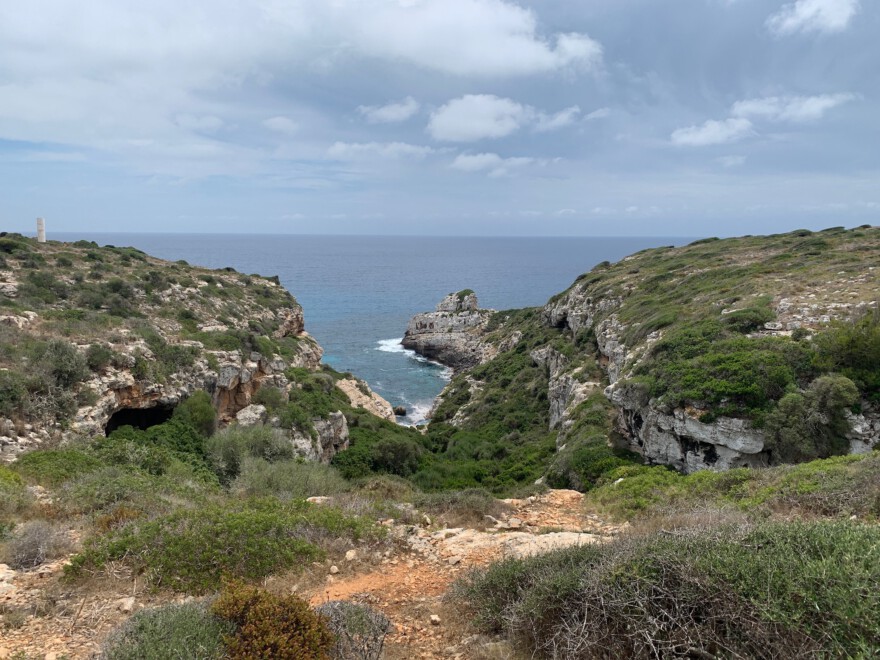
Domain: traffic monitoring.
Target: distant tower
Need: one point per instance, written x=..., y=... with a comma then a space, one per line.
x=41, y=230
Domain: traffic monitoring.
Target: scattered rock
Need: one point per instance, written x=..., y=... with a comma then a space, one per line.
x=334, y=570
x=400, y=411
x=126, y=605
x=435, y=620
x=351, y=555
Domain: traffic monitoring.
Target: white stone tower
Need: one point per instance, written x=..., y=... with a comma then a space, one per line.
x=41, y=230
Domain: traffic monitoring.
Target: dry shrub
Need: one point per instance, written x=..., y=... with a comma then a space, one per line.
x=359, y=629
x=270, y=626
x=35, y=543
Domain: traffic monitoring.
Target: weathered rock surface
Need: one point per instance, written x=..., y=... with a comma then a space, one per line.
x=330, y=437
x=362, y=396
x=565, y=390
x=452, y=334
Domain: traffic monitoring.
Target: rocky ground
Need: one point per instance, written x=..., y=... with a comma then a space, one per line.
x=44, y=617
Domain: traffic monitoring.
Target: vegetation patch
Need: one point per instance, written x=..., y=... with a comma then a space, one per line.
x=785, y=590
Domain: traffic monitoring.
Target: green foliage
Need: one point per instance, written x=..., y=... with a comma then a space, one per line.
x=193, y=550
x=13, y=393
x=98, y=357
x=57, y=363
x=378, y=446
x=840, y=486
x=270, y=626
x=749, y=319
x=228, y=449
x=175, y=435
x=169, y=631
x=809, y=425
x=853, y=349
x=287, y=479
x=780, y=590
x=198, y=412
x=271, y=397
x=52, y=467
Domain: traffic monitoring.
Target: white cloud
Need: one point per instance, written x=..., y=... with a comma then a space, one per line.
x=463, y=37
x=283, y=125
x=495, y=164
x=368, y=150
x=790, y=108
x=390, y=113
x=813, y=16
x=476, y=117
x=601, y=113
x=713, y=132
x=566, y=212
x=561, y=119
x=731, y=161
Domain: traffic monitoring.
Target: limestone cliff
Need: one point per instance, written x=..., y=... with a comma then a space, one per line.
x=452, y=333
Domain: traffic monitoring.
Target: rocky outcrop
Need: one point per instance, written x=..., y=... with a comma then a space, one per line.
x=329, y=437
x=361, y=396
x=452, y=334
x=565, y=390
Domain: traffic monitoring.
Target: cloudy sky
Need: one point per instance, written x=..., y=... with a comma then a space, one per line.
x=489, y=117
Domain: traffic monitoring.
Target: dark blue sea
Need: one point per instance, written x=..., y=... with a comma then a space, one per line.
x=358, y=292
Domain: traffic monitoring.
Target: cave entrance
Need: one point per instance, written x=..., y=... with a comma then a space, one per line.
x=140, y=418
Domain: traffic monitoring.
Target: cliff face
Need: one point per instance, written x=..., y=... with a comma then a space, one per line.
x=452, y=333
x=93, y=338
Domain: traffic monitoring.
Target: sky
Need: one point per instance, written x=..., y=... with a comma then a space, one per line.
x=440, y=117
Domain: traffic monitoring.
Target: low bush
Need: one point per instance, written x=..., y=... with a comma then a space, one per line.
x=198, y=412
x=288, y=479
x=35, y=542
x=228, y=449
x=465, y=507
x=270, y=626
x=784, y=590
x=194, y=549
x=359, y=630
x=52, y=467
x=170, y=631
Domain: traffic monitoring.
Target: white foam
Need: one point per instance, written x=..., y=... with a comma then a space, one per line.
x=418, y=413
x=392, y=346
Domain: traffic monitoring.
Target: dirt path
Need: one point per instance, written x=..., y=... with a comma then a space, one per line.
x=409, y=589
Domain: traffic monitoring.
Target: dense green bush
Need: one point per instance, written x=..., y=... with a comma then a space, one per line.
x=809, y=425
x=13, y=393
x=198, y=412
x=170, y=631
x=98, y=357
x=52, y=467
x=270, y=626
x=853, y=349
x=194, y=549
x=786, y=590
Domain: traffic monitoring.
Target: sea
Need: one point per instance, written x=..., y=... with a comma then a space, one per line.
x=358, y=292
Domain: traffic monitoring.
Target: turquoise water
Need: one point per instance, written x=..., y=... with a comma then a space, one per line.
x=359, y=292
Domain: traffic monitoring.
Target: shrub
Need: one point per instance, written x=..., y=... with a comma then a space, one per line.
x=12, y=393
x=853, y=349
x=192, y=550
x=270, y=626
x=359, y=629
x=98, y=357
x=60, y=364
x=470, y=506
x=170, y=631
x=228, y=449
x=52, y=467
x=35, y=542
x=774, y=590
x=809, y=425
x=288, y=479
x=271, y=397
x=198, y=412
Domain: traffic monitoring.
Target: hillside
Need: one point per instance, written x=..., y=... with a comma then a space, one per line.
x=751, y=351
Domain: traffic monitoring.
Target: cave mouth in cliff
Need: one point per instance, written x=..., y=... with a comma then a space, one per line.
x=140, y=418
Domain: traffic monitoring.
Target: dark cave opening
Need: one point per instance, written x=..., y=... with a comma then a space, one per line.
x=140, y=418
